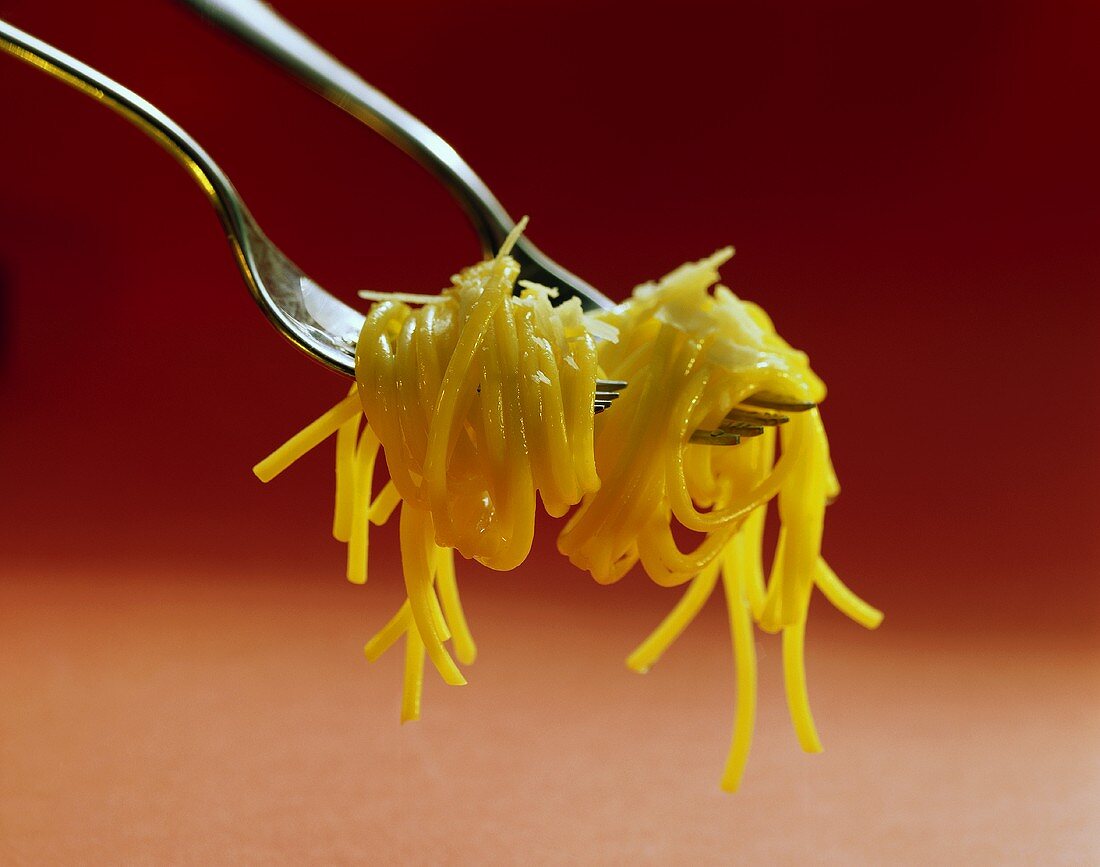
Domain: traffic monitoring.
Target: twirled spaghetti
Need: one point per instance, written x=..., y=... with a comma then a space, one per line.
x=479, y=399
x=690, y=357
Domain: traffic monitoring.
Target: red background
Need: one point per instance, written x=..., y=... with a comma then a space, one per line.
x=912, y=190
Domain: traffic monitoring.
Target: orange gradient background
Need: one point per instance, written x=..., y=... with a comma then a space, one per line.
x=912, y=190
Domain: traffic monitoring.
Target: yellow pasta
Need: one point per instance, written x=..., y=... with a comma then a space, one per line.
x=479, y=400
x=691, y=355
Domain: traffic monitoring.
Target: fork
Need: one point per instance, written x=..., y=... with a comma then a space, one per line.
x=312, y=319
x=261, y=27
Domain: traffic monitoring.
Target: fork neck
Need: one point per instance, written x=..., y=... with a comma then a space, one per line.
x=261, y=27
x=265, y=30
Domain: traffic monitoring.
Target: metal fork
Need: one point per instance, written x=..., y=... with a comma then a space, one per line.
x=303, y=312
x=261, y=27
x=315, y=321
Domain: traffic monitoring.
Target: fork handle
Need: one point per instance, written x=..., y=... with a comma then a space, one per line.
x=261, y=27
x=247, y=241
x=143, y=114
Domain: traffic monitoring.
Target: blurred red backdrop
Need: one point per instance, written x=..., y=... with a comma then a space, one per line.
x=912, y=190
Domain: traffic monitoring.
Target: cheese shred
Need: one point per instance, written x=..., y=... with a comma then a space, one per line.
x=479, y=400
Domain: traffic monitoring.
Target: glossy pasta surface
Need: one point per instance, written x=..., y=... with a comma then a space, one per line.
x=480, y=401
x=692, y=352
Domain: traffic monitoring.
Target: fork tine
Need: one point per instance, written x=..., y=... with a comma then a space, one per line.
x=741, y=428
x=740, y=422
x=715, y=438
x=767, y=400
x=607, y=390
x=615, y=385
x=768, y=419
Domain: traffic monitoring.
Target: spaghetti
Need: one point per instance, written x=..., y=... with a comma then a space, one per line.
x=691, y=356
x=479, y=400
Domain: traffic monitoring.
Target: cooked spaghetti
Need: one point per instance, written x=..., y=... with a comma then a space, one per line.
x=691, y=357
x=479, y=399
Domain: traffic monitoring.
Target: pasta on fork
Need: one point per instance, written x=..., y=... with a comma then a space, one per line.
x=479, y=400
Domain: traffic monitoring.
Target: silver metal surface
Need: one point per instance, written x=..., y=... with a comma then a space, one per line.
x=714, y=438
x=742, y=428
x=312, y=319
x=261, y=27
x=768, y=419
x=740, y=422
x=308, y=316
x=766, y=400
